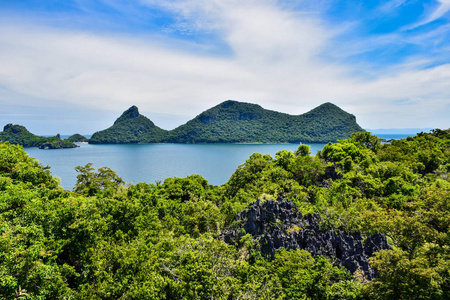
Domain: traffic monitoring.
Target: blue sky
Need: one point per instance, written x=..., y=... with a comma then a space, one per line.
x=75, y=65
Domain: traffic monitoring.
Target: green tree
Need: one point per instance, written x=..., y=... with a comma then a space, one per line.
x=91, y=183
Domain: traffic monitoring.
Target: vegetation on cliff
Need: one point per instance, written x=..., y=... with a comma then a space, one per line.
x=130, y=127
x=237, y=122
x=108, y=240
x=19, y=135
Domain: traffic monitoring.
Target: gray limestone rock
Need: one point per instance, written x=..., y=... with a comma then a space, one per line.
x=279, y=224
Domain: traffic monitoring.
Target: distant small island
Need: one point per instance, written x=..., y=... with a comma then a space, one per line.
x=78, y=138
x=19, y=135
x=235, y=122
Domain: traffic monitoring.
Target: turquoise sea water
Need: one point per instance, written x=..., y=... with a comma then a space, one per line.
x=395, y=136
x=156, y=162
x=153, y=162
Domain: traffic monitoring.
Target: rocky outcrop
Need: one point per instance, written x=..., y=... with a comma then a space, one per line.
x=129, y=114
x=279, y=224
x=15, y=129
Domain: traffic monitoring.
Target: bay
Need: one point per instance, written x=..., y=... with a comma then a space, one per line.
x=155, y=162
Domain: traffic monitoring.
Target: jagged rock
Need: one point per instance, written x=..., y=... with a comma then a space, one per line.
x=14, y=128
x=279, y=224
x=330, y=175
x=131, y=113
x=7, y=126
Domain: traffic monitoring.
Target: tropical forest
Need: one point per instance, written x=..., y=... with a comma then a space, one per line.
x=363, y=218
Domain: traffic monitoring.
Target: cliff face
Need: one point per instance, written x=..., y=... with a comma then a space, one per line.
x=279, y=224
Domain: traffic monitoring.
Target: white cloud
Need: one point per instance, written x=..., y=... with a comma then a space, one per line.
x=443, y=8
x=437, y=13
x=392, y=5
x=275, y=61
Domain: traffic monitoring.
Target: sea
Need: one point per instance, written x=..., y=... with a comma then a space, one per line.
x=153, y=163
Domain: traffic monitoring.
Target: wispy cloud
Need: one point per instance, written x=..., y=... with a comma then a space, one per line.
x=281, y=57
x=432, y=13
x=443, y=8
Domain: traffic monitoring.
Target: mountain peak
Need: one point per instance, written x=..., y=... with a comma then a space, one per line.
x=14, y=128
x=327, y=109
x=328, y=104
x=235, y=122
x=131, y=113
x=236, y=104
x=130, y=127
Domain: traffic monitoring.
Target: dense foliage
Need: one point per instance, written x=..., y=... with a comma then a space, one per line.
x=19, y=135
x=107, y=240
x=77, y=138
x=130, y=127
x=237, y=122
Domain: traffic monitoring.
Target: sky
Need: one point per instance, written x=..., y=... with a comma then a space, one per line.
x=73, y=66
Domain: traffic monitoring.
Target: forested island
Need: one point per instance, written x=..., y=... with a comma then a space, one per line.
x=235, y=122
x=228, y=122
x=361, y=219
x=19, y=135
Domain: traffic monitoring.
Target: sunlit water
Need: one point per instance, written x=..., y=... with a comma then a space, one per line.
x=156, y=162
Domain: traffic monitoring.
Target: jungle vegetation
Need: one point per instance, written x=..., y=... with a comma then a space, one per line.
x=130, y=128
x=75, y=138
x=19, y=135
x=236, y=122
x=109, y=240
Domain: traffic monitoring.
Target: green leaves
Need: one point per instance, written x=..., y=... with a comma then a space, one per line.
x=17, y=165
x=235, y=122
x=89, y=183
x=403, y=277
x=106, y=240
x=19, y=135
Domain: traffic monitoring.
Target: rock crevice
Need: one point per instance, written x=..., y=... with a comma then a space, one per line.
x=279, y=224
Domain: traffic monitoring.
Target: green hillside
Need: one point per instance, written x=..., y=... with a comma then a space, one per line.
x=130, y=127
x=19, y=135
x=111, y=240
x=77, y=138
x=237, y=122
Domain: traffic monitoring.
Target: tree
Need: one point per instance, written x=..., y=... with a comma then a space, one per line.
x=90, y=183
x=303, y=150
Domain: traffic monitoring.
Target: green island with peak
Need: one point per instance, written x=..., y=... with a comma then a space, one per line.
x=228, y=122
x=235, y=122
x=18, y=134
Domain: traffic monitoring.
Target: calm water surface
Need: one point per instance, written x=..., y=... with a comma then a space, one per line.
x=153, y=162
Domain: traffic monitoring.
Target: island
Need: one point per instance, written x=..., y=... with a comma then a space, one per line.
x=78, y=138
x=19, y=135
x=235, y=122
